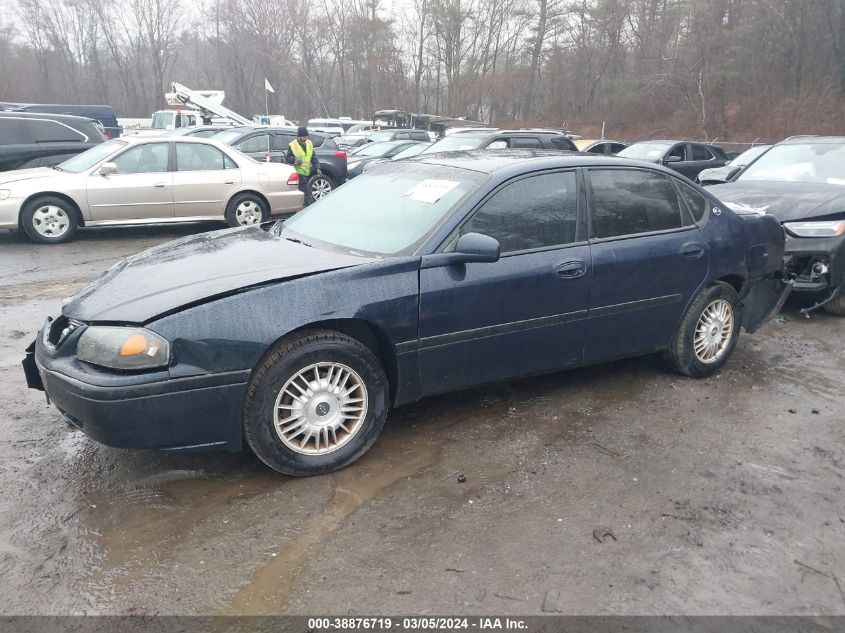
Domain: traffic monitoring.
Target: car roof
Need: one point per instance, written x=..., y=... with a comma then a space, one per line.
x=488, y=133
x=44, y=116
x=803, y=138
x=517, y=160
x=141, y=140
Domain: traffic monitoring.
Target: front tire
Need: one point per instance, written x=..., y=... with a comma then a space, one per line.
x=837, y=304
x=315, y=404
x=49, y=220
x=246, y=209
x=708, y=332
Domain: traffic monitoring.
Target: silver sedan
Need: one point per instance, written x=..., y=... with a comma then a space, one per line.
x=145, y=181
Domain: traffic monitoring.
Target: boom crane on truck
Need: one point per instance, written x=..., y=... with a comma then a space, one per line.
x=207, y=102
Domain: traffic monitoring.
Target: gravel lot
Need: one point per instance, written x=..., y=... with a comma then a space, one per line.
x=621, y=488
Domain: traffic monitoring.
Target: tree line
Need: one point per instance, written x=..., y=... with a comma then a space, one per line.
x=648, y=68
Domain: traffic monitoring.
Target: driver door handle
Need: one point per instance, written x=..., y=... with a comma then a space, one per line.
x=160, y=185
x=229, y=182
x=692, y=250
x=571, y=270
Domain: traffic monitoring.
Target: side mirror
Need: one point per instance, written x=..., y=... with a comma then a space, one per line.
x=471, y=247
x=672, y=159
x=107, y=168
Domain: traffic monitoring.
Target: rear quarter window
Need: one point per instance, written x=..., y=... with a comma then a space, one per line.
x=561, y=142
x=695, y=202
x=47, y=131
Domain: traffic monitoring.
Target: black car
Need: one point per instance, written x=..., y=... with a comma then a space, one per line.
x=600, y=146
x=731, y=171
x=684, y=157
x=423, y=276
x=503, y=139
x=370, y=152
x=801, y=182
x=271, y=144
x=103, y=114
x=43, y=140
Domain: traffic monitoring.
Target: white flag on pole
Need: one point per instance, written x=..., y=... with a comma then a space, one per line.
x=268, y=87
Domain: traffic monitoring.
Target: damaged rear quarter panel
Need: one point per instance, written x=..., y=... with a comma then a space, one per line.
x=233, y=332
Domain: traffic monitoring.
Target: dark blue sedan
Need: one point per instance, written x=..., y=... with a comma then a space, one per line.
x=419, y=277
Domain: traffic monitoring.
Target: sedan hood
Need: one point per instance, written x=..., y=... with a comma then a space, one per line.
x=196, y=269
x=786, y=201
x=26, y=174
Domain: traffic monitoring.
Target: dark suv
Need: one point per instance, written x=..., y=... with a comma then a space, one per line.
x=43, y=140
x=100, y=113
x=502, y=139
x=684, y=157
x=264, y=143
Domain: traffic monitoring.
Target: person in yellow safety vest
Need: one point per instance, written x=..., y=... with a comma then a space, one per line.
x=301, y=155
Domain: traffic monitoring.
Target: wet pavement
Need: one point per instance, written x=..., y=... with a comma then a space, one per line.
x=621, y=488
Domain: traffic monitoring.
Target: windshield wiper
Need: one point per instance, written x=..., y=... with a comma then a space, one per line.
x=298, y=241
x=57, y=168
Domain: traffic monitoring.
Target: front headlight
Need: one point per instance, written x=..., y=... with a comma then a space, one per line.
x=830, y=228
x=4, y=193
x=123, y=348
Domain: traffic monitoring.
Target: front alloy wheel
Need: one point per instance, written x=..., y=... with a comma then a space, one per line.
x=316, y=403
x=320, y=408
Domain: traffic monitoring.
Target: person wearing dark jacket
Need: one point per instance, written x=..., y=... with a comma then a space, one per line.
x=301, y=155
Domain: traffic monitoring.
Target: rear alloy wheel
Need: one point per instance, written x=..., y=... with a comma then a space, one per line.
x=316, y=403
x=246, y=209
x=49, y=220
x=319, y=186
x=708, y=332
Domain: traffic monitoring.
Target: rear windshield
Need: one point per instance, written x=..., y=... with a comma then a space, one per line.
x=456, y=143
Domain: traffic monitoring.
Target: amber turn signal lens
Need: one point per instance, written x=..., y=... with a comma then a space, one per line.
x=135, y=344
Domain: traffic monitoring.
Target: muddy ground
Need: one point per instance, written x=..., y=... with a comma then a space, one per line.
x=622, y=488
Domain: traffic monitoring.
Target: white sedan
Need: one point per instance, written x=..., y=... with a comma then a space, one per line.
x=146, y=181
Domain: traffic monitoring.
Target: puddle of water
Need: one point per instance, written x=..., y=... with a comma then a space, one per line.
x=267, y=589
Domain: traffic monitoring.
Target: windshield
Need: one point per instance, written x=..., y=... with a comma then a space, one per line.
x=805, y=162
x=161, y=120
x=413, y=150
x=87, y=159
x=410, y=204
x=649, y=151
x=374, y=149
x=357, y=128
x=455, y=144
x=227, y=137
x=749, y=155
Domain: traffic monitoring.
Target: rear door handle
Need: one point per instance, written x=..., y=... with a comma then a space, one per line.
x=571, y=270
x=229, y=182
x=160, y=185
x=692, y=250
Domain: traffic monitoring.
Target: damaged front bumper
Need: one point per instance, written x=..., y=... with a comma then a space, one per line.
x=817, y=264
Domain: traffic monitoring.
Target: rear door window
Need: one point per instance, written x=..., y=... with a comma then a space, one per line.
x=201, y=157
x=632, y=201
x=699, y=152
x=525, y=141
x=254, y=144
x=47, y=131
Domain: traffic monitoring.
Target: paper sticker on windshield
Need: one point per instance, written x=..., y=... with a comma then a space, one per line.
x=430, y=191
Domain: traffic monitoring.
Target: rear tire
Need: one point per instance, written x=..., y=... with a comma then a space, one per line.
x=247, y=209
x=708, y=332
x=319, y=186
x=49, y=220
x=837, y=304
x=315, y=403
